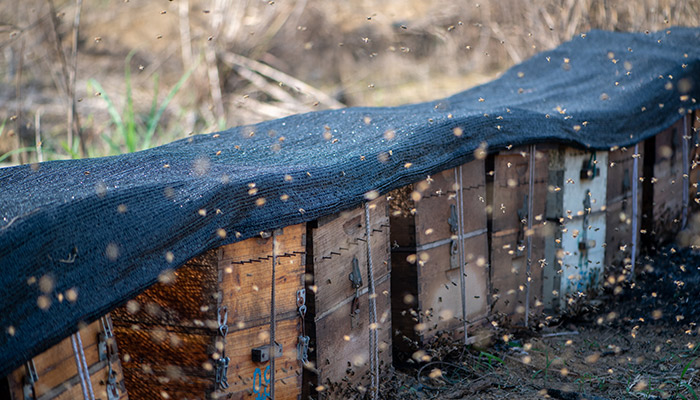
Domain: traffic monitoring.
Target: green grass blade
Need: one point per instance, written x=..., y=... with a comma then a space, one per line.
x=111, y=109
x=153, y=123
x=690, y=389
x=129, y=117
x=15, y=151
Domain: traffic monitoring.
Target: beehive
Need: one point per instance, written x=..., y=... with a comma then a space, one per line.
x=663, y=185
x=508, y=194
x=576, y=196
x=620, y=237
x=172, y=335
x=55, y=373
x=338, y=320
x=425, y=236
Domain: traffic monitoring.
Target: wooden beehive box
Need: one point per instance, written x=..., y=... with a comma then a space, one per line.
x=338, y=316
x=663, y=186
x=576, y=196
x=425, y=282
x=170, y=334
x=508, y=193
x=694, y=133
x=54, y=374
x=619, y=205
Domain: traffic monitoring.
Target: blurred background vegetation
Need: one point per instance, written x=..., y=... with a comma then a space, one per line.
x=103, y=77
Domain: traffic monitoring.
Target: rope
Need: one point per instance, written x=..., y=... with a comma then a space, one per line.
x=460, y=246
x=81, y=373
x=85, y=366
x=530, y=210
x=273, y=345
x=373, y=342
x=684, y=219
x=635, y=209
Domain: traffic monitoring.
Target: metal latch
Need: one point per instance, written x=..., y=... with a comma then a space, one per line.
x=356, y=282
x=584, y=243
x=590, y=169
x=303, y=349
x=112, y=388
x=522, y=219
x=222, y=372
x=262, y=354
x=29, y=380
x=454, y=244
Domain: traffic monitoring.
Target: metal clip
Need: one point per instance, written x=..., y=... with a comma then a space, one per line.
x=222, y=372
x=590, y=169
x=222, y=320
x=583, y=244
x=453, y=220
x=303, y=349
x=112, y=387
x=522, y=218
x=301, y=302
x=29, y=380
x=356, y=281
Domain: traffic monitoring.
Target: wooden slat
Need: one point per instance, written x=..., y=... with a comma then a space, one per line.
x=343, y=349
x=242, y=368
x=57, y=369
x=508, y=251
x=439, y=291
x=337, y=242
x=668, y=186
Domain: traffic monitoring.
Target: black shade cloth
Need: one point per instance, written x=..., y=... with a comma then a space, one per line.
x=105, y=228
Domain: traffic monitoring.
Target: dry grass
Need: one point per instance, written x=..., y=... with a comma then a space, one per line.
x=357, y=53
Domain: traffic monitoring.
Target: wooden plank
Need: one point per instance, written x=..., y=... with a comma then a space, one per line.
x=291, y=240
x=342, y=349
x=57, y=369
x=242, y=368
x=246, y=289
x=340, y=240
x=668, y=183
x=439, y=291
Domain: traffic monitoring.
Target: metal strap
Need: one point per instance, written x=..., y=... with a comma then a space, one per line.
x=372, y=301
x=460, y=227
x=78, y=364
x=85, y=366
x=686, y=180
x=528, y=233
x=273, y=322
x=635, y=207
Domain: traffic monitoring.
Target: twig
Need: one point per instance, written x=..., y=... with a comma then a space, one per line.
x=73, y=119
x=272, y=73
x=555, y=334
x=19, y=157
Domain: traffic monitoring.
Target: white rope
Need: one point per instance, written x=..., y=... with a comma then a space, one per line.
x=635, y=207
x=85, y=366
x=273, y=322
x=528, y=233
x=78, y=364
x=460, y=247
x=372, y=301
x=684, y=219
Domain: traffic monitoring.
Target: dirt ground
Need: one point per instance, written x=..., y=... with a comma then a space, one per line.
x=636, y=340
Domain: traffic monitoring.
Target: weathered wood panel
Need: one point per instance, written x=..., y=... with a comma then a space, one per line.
x=426, y=287
x=618, y=236
x=339, y=335
x=509, y=231
x=57, y=370
x=667, y=183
